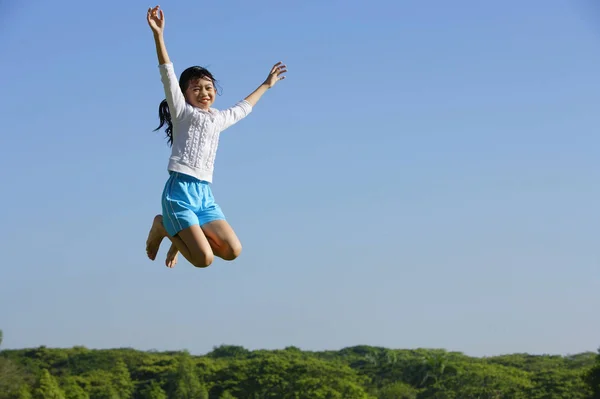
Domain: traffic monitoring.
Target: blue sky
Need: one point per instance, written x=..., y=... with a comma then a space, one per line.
x=426, y=176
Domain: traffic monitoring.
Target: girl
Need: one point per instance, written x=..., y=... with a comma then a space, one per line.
x=191, y=218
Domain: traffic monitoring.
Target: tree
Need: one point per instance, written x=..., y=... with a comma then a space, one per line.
x=558, y=383
x=231, y=372
x=153, y=391
x=11, y=378
x=48, y=387
x=229, y=351
x=24, y=392
x=398, y=390
x=186, y=382
x=73, y=390
x=282, y=376
x=593, y=378
x=99, y=384
x=487, y=381
x=122, y=380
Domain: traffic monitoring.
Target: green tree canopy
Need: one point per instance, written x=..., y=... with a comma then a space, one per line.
x=48, y=387
x=360, y=372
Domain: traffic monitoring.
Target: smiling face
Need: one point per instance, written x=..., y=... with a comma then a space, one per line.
x=201, y=93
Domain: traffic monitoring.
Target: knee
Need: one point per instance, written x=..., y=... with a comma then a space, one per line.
x=203, y=261
x=232, y=251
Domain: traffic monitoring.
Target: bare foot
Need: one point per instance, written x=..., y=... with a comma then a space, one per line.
x=155, y=237
x=172, y=256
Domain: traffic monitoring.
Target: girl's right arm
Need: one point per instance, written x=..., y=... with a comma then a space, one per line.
x=173, y=93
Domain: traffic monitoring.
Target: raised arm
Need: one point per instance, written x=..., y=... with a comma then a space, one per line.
x=274, y=76
x=236, y=113
x=158, y=26
x=173, y=94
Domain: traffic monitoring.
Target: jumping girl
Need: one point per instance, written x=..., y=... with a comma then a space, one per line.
x=191, y=218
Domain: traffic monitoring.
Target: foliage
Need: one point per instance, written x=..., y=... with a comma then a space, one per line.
x=233, y=372
x=592, y=378
x=48, y=387
x=153, y=391
x=73, y=389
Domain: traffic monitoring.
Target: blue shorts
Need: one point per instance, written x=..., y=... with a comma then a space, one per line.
x=187, y=201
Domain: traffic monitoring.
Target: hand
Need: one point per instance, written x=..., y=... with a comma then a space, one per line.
x=156, y=24
x=275, y=74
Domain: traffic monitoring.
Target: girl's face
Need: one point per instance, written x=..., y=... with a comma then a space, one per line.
x=201, y=93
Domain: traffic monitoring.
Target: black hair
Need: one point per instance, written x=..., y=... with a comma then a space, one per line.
x=164, y=115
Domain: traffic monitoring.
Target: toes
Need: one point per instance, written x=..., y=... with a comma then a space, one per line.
x=151, y=251
x=171, y=261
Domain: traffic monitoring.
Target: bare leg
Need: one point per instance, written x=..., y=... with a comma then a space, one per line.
x=191, y=242
x=222, y=239
x=193, y=239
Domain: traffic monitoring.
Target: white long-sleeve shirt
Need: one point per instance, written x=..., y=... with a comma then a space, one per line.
x=196, y=131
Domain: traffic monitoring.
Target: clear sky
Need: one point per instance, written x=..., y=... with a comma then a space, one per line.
x=426, y=176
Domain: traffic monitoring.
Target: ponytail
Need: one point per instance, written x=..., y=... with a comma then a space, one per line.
x=164, y=115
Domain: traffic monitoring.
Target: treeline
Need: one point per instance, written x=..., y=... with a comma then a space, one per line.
x=360, y=372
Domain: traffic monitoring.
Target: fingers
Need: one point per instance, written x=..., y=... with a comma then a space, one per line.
x=278, y=69
x=153, y=13
x=153, y=18
x=277, y=66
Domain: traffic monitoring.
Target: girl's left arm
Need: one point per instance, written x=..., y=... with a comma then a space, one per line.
x=243, y=108
x=274, y=76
